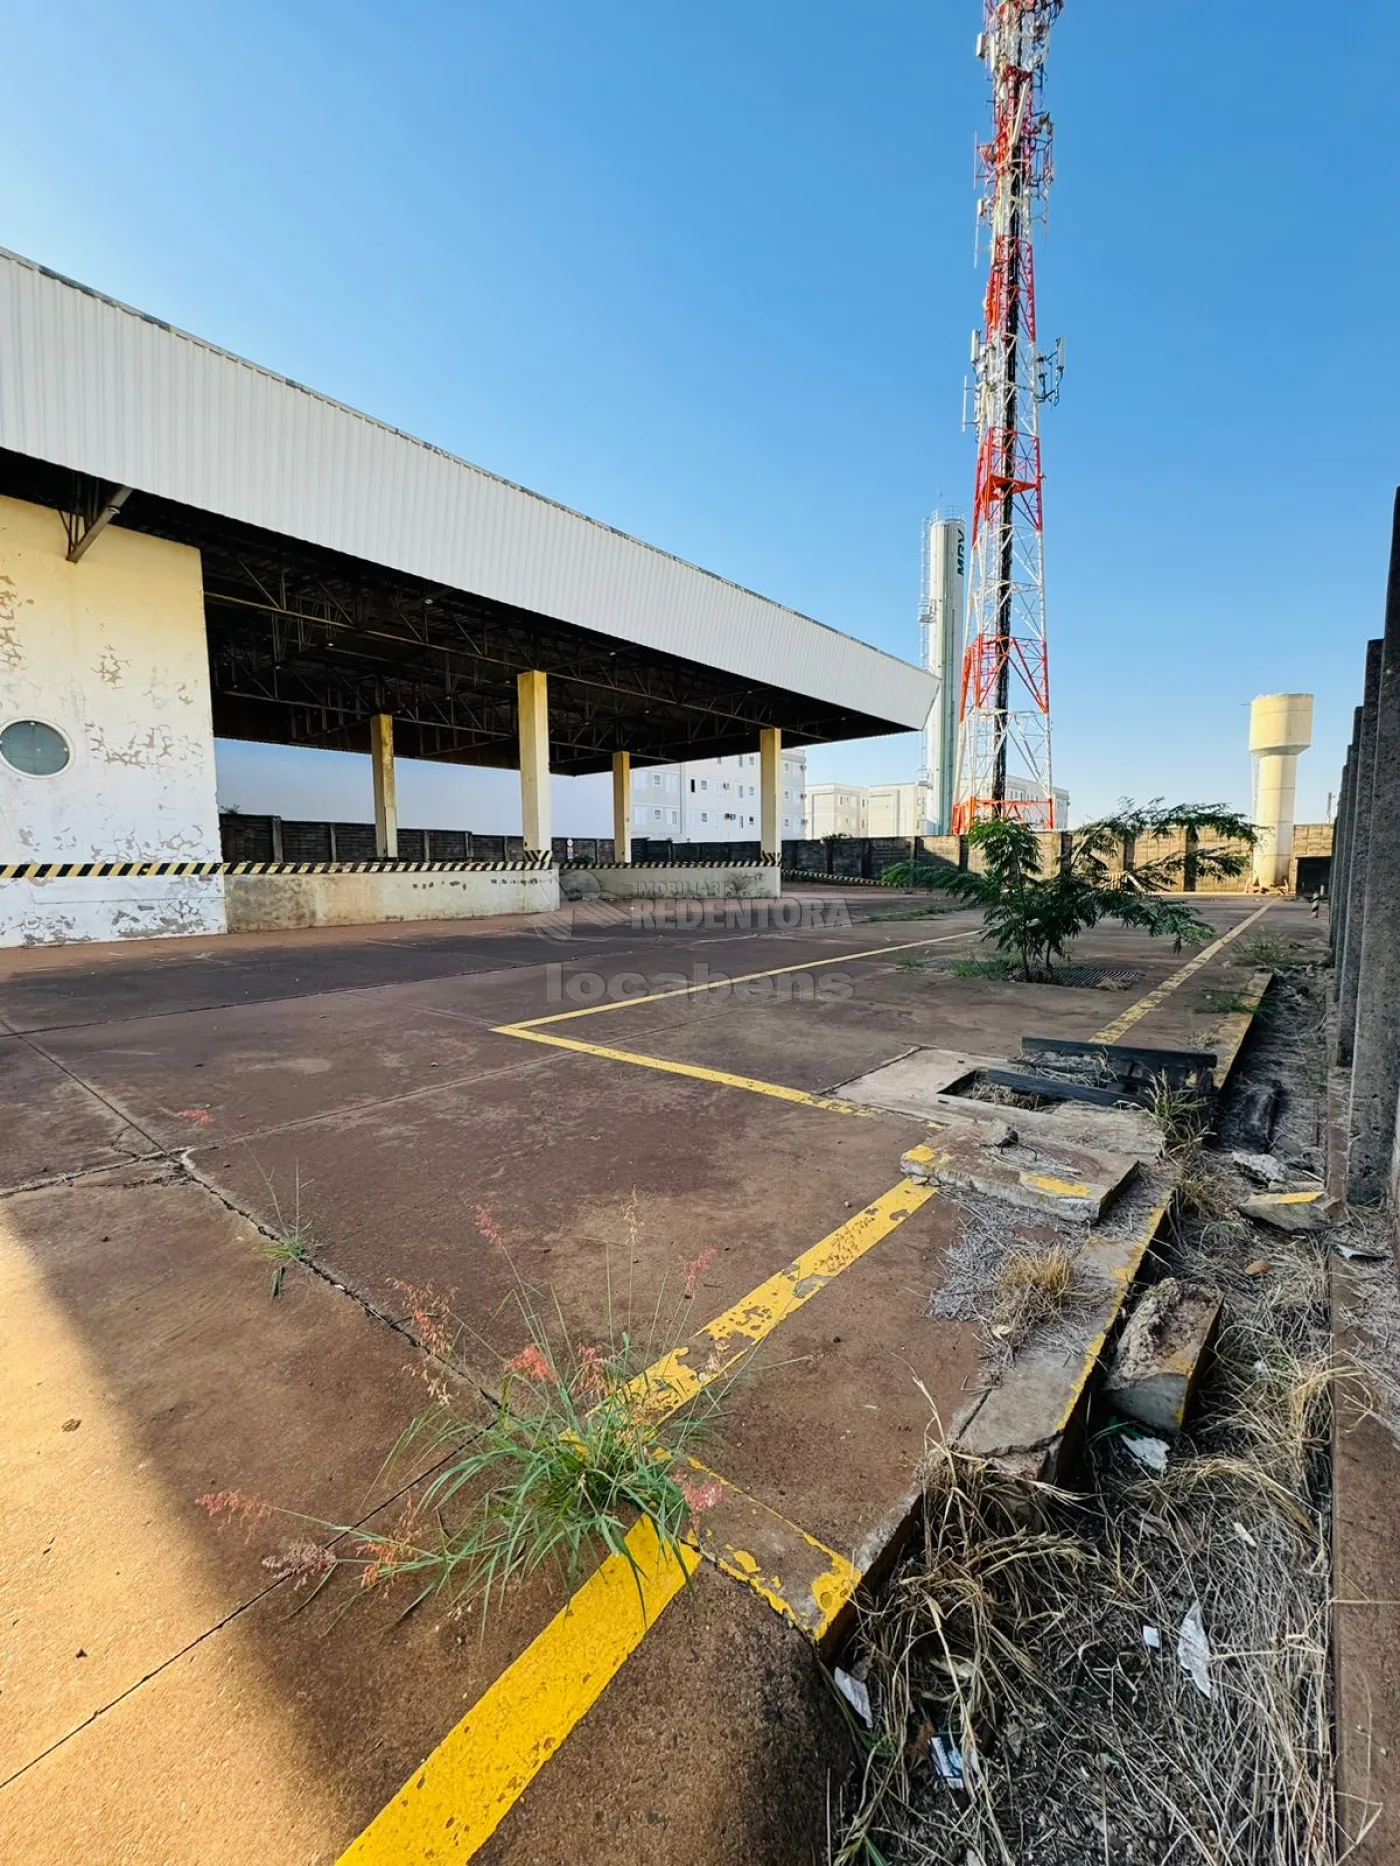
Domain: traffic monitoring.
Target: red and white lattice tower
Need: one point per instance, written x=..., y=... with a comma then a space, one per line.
x=1005, y=703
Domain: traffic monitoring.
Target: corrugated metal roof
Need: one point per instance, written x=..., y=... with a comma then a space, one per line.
x=88, y=383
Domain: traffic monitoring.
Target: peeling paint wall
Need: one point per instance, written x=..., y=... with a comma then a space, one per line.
x=110, y=651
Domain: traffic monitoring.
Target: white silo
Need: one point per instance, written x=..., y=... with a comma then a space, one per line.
x=941, y=651
x=1280, y=727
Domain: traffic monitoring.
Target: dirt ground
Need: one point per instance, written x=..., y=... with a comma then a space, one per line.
x=170, y=1105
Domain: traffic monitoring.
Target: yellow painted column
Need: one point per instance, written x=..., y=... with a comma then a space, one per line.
x=770, y=788
x=622, y=806
x=386, y=789
x=533, y=691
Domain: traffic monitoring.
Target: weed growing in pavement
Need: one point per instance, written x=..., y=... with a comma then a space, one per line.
x=292, y=1241
x=983, y=968
x=1178, y=1114
x=582, y=1441
x=1275, y=955
x=1222, y=1002
x=931, y=911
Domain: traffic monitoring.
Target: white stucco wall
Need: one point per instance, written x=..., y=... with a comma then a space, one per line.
x=110, y=651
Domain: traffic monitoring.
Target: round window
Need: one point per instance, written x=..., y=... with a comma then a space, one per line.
x=34, y=748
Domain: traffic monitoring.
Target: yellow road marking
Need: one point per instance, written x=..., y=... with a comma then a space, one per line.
x=1111, y=1033
x=801, y=1579
x=529, y=1030
x=1227, y=1038
x=673, y=1380
x=698, y=1070
x=744, y=978
x=462, y=1793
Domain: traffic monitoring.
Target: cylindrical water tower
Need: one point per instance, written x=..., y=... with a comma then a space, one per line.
x=1280, y=727
x=941, y=645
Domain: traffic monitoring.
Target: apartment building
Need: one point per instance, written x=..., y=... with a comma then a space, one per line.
x=714, y=799
x=895, y=809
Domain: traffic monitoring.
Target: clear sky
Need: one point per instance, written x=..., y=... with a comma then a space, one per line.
x=706, y=273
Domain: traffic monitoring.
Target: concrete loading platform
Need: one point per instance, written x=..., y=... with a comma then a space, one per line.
x=169, y=1695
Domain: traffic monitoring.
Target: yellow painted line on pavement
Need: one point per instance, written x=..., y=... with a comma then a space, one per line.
x=808, y=1584
x=1112, y=1033
x=529, y=1031
x=678, y=1376
x=715, y=984
x=465, y=1789
x=724, y=1077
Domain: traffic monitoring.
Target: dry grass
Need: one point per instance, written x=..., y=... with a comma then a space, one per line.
x=1016, y=1629
x=1032, y=1287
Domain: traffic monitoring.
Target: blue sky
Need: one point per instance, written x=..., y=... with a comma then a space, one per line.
x=706, y=273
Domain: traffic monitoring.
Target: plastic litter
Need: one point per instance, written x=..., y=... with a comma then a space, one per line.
x=1150, y=1453
x=1193, y=1650
x=1152, y=1638
x=854, y=1691
x=950, y=1762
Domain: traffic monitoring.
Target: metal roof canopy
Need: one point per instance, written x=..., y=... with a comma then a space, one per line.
x=351, y=570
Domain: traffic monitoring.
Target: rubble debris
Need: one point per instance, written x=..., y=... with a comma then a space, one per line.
x=1288, y=1211
x=1071, y=1183
x=1108, y=1074
x=1262, y=1168
x=1160, y=1353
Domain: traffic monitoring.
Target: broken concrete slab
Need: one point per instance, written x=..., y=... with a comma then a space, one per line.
x=921, y=1084
x=1031, y=1423
x=1160, y=1354
x=1288, y=1211
x=1070, y=1183
x=910, y=1083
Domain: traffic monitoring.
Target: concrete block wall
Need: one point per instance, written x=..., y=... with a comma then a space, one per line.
x=1365, y=930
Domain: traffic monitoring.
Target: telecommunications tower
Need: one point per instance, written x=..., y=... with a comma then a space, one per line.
x=1005, y=697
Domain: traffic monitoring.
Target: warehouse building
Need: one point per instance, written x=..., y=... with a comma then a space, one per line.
x=191, y=545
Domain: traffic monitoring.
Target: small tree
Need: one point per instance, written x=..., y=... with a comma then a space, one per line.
x=1036, y=917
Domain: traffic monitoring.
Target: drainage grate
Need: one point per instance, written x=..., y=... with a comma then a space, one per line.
x=1098, y=977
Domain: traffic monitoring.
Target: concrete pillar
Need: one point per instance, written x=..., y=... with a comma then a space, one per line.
x=1359, y=855
x=622, y=806
x=386, y=788
x=533, y=693
x=1375, y=1071
x=1341, y=835
x=770, y=790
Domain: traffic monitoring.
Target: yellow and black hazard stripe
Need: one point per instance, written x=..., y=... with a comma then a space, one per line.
x=81, y=871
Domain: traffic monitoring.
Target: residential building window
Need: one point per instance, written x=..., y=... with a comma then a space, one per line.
x=657, y=815
x=656, y=780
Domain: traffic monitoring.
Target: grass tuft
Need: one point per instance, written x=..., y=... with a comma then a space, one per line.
x=1178, y=1114
x=983, y=968
x=291, y=1242
x=1032, y=1287
x=582, y=1441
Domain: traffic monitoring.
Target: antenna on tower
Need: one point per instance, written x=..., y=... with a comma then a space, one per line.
x=1004, y=708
